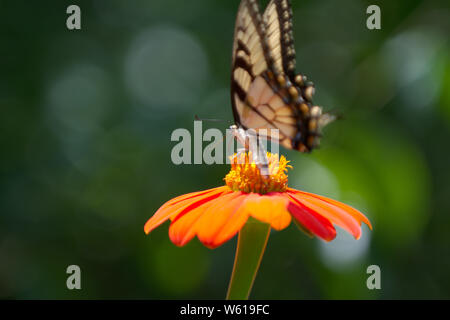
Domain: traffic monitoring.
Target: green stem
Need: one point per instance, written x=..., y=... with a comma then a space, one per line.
x=251, y=245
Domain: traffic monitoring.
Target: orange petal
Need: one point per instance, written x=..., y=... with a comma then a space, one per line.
x=312, y=221
x=174, y=207
x=232, y=226
x=180, y=231
x=269, y=208
x=335, y=214
x=216, y=217
x=191, y=195
x=350, y=210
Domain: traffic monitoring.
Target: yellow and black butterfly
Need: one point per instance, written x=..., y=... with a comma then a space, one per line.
x=266, y=92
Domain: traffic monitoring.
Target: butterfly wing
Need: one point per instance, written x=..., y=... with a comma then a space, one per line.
x=263, y=91
x=278, y=19
x=255, y=103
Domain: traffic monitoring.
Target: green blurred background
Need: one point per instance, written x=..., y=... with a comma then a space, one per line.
x=86, y=119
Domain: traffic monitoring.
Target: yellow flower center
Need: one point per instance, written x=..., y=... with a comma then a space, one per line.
x=245, y=174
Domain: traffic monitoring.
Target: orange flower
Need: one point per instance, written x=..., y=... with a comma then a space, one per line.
x=217, y=214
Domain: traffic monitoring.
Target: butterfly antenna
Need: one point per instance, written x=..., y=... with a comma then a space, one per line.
x=211, y=120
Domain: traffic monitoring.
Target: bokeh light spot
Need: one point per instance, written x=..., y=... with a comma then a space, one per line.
x=166, y=67
x=344, y=250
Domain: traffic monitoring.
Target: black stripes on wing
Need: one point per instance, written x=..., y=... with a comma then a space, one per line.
x=278, y=18
x=251, y=53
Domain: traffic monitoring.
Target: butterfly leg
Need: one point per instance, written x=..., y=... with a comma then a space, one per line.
x=261, y=161
x=251, y=143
